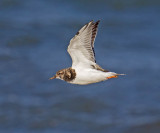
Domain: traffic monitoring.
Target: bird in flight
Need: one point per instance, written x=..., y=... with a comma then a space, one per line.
x=84, y=69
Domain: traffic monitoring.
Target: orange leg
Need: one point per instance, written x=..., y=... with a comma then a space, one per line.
x=112, y=77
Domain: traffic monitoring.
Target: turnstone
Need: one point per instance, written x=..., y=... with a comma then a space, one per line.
x=84, y=69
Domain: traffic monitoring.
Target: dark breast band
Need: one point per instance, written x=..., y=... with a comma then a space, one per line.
x=69, y=74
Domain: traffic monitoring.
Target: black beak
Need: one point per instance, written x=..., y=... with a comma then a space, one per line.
x=52, y=77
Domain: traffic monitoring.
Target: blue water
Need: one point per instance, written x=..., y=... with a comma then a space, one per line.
x=34, y=36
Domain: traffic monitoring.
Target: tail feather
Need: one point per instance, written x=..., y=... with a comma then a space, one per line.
x=120, y=74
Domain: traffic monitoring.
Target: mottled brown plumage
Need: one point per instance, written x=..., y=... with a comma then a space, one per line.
x=67, y=74
x=97, y=67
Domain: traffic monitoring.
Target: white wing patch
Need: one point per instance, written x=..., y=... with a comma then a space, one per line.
x=81, y=47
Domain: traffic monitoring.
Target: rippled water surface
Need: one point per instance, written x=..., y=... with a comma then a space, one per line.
x=34, y=36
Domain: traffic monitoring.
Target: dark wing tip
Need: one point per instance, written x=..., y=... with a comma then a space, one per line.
x=98, y=21
x=94, y=31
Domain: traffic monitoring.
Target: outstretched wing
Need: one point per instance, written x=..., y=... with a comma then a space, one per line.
x=81, y=47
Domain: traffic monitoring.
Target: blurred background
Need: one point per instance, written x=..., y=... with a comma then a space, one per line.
x=34, y=36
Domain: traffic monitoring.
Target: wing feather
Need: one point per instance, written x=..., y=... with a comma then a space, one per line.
x=81, y=47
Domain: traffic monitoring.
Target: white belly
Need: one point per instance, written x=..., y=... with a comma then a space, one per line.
x=88, y=76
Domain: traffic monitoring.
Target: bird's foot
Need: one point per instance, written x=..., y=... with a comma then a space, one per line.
x=112, y=77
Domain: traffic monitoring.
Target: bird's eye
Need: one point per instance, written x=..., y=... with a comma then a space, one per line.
x=59, y=73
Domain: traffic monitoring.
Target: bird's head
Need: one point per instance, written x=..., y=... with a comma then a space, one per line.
x=59, y=75
x=67, y=74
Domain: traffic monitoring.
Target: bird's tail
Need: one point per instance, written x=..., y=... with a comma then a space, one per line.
x=114, y=75
x=120, y=74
